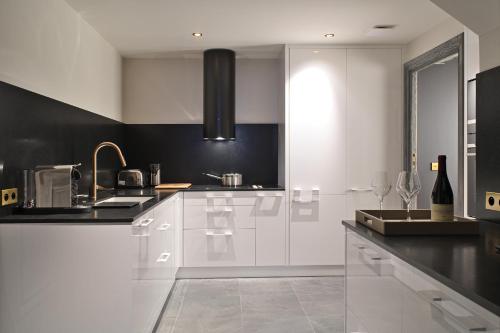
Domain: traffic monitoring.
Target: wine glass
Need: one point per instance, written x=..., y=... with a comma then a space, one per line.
x=408, y=187
x=381, y=187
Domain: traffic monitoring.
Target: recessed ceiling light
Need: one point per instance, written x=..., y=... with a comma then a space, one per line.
x=315, y=51
x=197, y=34
x=384, y=26
x=329, y=35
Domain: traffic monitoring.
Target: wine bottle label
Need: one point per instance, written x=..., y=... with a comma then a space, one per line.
x=441, y=212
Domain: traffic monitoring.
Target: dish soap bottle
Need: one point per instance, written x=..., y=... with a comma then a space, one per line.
x=442, y=194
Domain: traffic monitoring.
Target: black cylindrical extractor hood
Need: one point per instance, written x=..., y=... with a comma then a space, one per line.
x=218, y=94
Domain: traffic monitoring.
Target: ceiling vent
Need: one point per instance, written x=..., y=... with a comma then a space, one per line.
x=381, y=30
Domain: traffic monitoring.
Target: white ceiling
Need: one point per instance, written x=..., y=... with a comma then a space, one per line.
x=160, y=27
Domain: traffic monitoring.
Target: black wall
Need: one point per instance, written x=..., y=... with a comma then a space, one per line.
x=37, y=130
x=488, y=140
x=184, y=155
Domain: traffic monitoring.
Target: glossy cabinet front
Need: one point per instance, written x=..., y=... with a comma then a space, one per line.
x=82, y=277
x=385, y=294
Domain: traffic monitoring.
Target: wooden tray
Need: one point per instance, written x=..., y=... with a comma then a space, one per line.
x=393, y=223
x=173, y=186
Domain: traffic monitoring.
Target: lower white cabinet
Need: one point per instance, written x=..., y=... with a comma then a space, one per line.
x=234, y=228
x=219, y=247
x=80, y=278
x=316, y=232
x=385, y=294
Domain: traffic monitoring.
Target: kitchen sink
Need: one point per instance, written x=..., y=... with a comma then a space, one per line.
x=138, y=199
x=121, y=202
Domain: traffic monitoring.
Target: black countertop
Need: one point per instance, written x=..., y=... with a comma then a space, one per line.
x=467, y=264
x=121, y=215
x=199, y=188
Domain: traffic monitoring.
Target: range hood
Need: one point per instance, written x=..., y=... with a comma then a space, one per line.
x=218, y=94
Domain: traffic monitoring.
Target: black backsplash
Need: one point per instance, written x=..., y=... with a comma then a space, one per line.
x=184, y=155
x=487, y=140
x=37, y=130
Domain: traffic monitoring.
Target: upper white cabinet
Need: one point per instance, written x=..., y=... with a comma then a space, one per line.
x=374, y=123
x=344, y=125
x=317, y=105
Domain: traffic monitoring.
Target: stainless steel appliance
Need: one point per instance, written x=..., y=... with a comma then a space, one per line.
x=154, y=174
x=56, y=185
x=228, y=179
x=131, y=178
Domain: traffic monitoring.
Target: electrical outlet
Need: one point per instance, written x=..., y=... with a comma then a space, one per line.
x=9, y=196
x=493, y=201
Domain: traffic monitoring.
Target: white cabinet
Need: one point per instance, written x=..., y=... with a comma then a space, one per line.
x=344, y=124
x=385, y=294
x=317, y=119
x=270, y=228
x=374, y=123
x=219, y=247
x=316, y=232
x=82, y=277
x=234, y=228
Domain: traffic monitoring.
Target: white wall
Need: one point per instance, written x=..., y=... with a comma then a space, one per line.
x=432, y=38
x=46, y=47
x=489, y=45
x=170, y=91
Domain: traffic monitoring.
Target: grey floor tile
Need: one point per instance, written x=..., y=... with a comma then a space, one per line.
x=322, y=306
x=166, y=325
x=212, y=288
x=321, y=286
x=260, y=286
x=298, y=324
x=270, y=305
x=327, y=324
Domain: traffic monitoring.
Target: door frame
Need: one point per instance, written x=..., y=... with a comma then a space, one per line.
x=446, y=49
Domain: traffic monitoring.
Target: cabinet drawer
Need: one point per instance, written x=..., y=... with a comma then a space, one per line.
x=226, y=217
x=219, y=247
x=440, y=308
x=219, y=198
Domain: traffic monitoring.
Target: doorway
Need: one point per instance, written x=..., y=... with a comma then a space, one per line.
x=434, y=120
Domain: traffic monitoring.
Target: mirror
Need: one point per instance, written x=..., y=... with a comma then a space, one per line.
x=434, y=120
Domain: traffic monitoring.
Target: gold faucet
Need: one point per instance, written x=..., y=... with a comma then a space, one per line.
x=94, y=164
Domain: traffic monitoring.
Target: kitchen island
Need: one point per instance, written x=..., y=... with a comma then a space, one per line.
x=422, y=283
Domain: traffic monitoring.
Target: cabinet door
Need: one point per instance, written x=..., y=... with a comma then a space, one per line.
x=317, y=119
x=374, y=118
x=316, y=232
x=373, y=295
x=270, y=228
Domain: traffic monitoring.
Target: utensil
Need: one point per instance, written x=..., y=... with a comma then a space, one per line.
x=408, y=187
x=381, y=187
x=28, y=188
x=228, y=179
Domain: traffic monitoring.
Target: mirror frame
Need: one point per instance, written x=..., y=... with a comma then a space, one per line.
x=448, y=48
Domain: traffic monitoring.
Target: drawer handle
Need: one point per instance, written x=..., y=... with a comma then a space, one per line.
x=163, y=257
x=225, y=233
x=467, y=321
x=364, y=250
x=263, y=195
x=220, y=210
x=221, y=196
x=164, y=227
x=145, y=223
x=297, y=192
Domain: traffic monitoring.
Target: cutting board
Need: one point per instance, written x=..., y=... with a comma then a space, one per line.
x=173, y=186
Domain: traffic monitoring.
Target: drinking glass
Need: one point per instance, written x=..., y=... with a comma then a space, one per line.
x=381, y=187
x=408, y=187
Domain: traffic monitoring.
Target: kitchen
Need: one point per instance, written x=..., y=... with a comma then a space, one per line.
x=172, y=166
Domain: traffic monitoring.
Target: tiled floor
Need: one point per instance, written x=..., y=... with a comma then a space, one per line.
x=291, y=305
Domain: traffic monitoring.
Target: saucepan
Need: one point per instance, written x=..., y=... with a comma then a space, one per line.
x=228, y=179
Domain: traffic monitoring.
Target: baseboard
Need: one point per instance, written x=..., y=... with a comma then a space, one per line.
x=271, y=271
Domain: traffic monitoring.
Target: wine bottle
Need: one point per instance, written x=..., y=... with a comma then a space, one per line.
x=442, y=194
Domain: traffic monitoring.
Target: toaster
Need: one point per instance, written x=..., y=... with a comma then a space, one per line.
x=131, y=178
